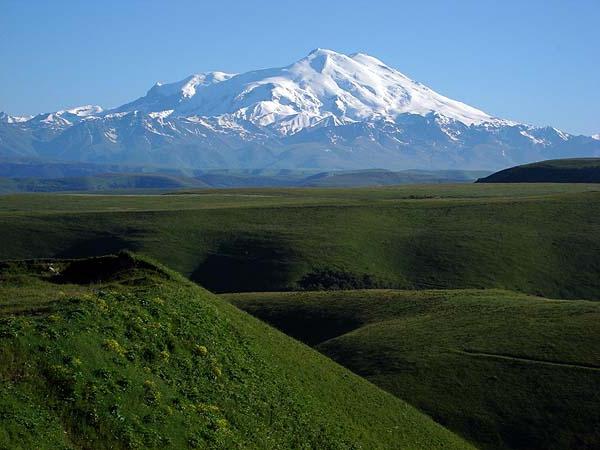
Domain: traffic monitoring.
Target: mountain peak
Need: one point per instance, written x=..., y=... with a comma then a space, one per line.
x=187, y=86
x=329, y=109
x=359, y=86
x=325, y=83
x=359, y=57
x=323, y=52
x=367, y=59
x=320, y=58
x=6, y=118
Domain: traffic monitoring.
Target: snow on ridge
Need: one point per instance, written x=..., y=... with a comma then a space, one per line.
x=161, y=114
x=323, y=87
x=118, y=115
x=532, y=138
x=188, y=86
x=84, y=111
x=112, y=135
x=561, y=134
x=371, y=88
x=352, y=88
x=56, y=119
x=7, y=118
x=326, y=101
x=596, y=136
x=349, y=88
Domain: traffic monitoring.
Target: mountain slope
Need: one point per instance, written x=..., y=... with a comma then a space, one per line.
x=325, y=111
x=582, y=170
x=116, y=352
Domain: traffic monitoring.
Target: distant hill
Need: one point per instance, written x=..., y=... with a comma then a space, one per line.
x=386, y=178
x=38, y=168
x=61, y=177
x=577, y=170
x=102, y=182
x=119, y=353
x=505, y=370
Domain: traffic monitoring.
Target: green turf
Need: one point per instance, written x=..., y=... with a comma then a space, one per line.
x=503, y=369
x=117, y=352
x=539, y=239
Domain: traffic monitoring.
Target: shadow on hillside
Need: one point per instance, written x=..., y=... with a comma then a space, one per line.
x=311, y=326
x=246, y=264
x=102, y=269
x=102, y=244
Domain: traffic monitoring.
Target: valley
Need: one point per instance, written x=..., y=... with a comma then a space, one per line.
x=501, y=368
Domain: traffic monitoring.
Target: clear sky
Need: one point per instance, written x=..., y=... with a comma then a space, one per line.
x=530, y=60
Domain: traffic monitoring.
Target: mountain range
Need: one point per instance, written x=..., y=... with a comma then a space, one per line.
x=326, y=111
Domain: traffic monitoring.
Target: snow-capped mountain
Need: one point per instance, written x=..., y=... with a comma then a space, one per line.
x=5, y=118
x=326, y=111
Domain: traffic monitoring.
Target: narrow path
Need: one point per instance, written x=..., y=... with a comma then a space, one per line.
x=527, y=360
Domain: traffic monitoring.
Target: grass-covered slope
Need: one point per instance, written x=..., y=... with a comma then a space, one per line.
x=576, y=170
x=540, y=239
x=503, y=369
x=116, y=352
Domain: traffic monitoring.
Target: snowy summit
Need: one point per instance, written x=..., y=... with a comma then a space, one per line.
x=326, y=111
x=324, y=84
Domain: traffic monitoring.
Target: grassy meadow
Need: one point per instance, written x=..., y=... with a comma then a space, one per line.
x=538, y=239
x=476, y=304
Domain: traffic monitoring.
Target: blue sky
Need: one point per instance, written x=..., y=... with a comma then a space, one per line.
x=532, y=61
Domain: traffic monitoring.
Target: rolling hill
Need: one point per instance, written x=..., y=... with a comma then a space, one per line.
x=157, y=181
x=387, y=177
x=539, y=239
x=578, y=170
x=505, y=370
x=101, y=182
x=118, y=352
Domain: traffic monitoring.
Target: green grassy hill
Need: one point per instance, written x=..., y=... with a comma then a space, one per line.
x=577, y=170
x=505, y=370
x=116, y=352
x=540, y=239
